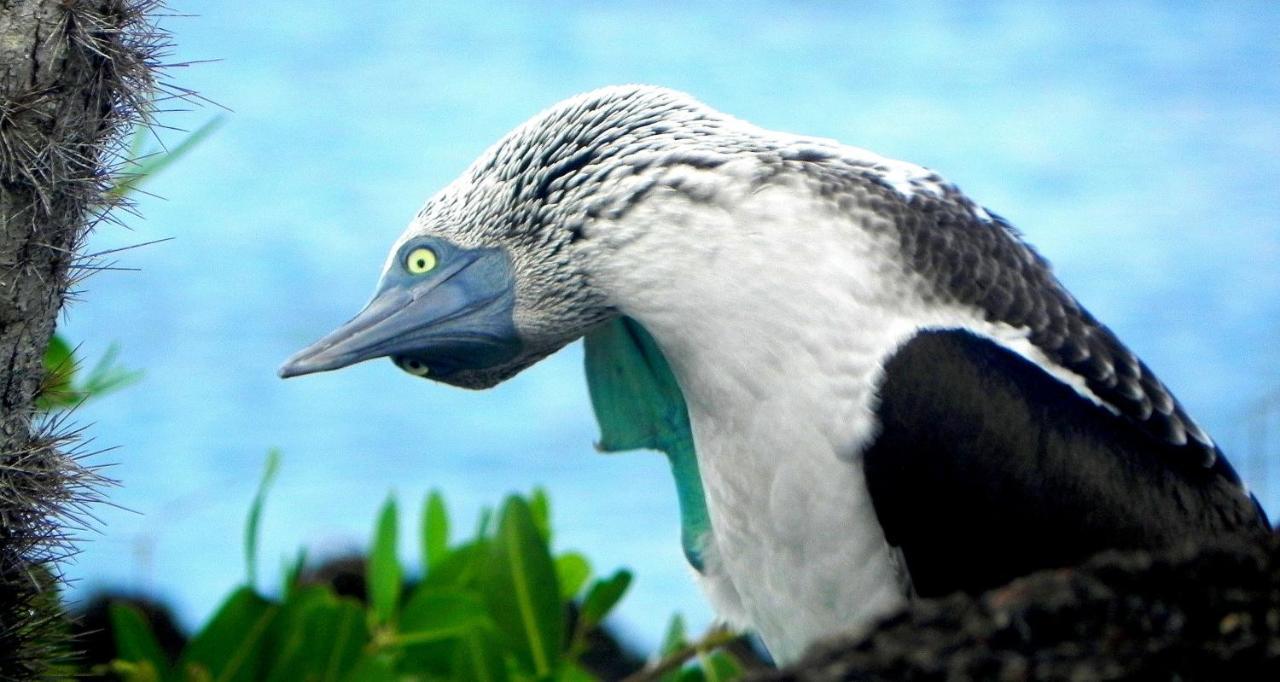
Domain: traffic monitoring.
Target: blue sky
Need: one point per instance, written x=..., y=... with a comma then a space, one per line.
x=1137, y=147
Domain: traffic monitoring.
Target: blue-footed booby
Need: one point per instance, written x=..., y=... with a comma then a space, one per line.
x=870, y=387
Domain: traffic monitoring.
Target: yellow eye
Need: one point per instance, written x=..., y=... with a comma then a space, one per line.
x=420, y=261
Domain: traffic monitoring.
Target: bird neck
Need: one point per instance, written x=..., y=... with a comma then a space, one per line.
x=774, y=315
x=747, y=290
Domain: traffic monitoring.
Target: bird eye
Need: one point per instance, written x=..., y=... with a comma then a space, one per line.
x=414, y=366
x=420, y=261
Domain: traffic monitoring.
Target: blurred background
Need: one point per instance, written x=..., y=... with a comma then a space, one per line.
x=1137, y=146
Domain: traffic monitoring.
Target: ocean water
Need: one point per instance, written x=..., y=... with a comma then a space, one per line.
x=1137, y=146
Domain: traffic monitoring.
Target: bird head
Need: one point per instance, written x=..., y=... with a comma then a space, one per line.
x=490, y=275
x=476, y=289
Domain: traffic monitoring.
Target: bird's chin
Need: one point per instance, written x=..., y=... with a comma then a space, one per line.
x=474, y=378
x=478, y=379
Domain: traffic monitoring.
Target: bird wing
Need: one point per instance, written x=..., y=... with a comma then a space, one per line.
x=986, y=468
x=964, y=255
x=968, y=256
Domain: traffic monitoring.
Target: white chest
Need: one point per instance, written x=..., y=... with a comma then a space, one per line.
x=780, y=413
x=796, y=551
x=777, y=319
x=775, y=337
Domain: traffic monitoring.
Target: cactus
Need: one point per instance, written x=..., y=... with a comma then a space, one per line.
x=76, y=76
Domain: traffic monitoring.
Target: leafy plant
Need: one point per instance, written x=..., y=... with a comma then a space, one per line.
x=702, y=661
x=61, y=386
x=146, y=160
x=496, y=605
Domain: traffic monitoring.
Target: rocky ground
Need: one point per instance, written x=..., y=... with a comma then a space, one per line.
x=1197, y=613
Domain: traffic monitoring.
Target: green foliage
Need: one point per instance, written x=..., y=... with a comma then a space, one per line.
x=136, y=643
x=572, y=571
x=707, y=663
x=603, y=596
x=384, y=567
x=63, y=388
x=255, y=515
x=435, y=530
x=493, y=607
x=145, y=160
x=235, y=645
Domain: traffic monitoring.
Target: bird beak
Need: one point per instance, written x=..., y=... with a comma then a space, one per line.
x=458, y=319
x=364, y=337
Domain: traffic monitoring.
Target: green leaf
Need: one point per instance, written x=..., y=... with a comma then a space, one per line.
x=58, y=355
x=147, y=165
x=432, y=626
x=483, y=522
x=460, y=566
x=720, y=666
x=520, y=582
x=572, y=572
x=572, y=672
x=384, y=566
x=233, y=645
x=288, y=636
x=341, y=635
x=293, y=573
x=319, y=637
x=373, y=667
x=107, y=376
x=135, y=642
x=603, y=595
x=686, y=674
x=540, y=507
x=675, y=637
x=478, y=657
x=434, y=614
x=59, y=369
x=674, y=640
x=138, y=141
x=347, y=637
x=133, y=672
x=255, y=514
x=61, y=389
x=435, y=531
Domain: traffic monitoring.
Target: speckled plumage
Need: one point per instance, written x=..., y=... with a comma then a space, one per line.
x=541, y=184
x=780, y=275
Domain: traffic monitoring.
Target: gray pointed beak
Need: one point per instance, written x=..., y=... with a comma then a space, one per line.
x=362, y=338
x=455, y=320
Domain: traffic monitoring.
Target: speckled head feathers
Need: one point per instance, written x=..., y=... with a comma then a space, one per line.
x=532, y=192
x=545, y=189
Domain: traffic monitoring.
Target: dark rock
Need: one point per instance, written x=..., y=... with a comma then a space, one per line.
x=1210, y=612
x=345, y=574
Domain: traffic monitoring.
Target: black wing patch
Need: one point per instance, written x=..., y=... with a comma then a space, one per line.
x=968, y=259
x=987, y=468
x=963, y=254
